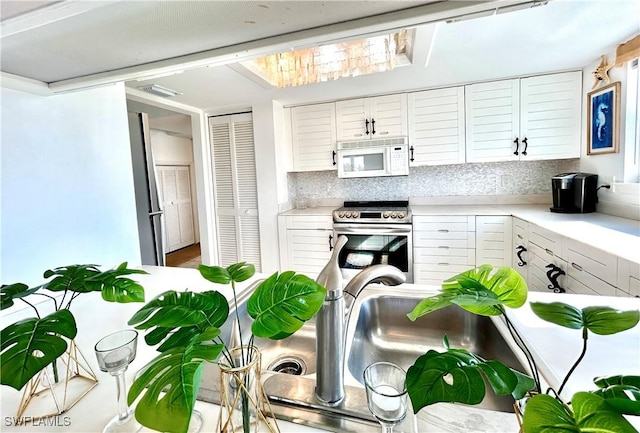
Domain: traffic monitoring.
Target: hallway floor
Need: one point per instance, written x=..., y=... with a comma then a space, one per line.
x=188, y=257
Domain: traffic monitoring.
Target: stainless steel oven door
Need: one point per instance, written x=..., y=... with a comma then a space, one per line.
x=372, y=244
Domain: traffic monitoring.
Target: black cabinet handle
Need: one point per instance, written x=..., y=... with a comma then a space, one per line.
x=521, y=249
x=333, y=157
x=330, y=242
x=366, y=126
x=373, y=126
x=517, y=142
x=411, y=154
x=524, y=140
x=553, y=274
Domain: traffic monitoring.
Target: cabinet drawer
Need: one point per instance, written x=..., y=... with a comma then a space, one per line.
x=538, y=278
x=445, y=256
x=444, y=223
x=586, y=284
x=444, y=240
x=520, y=230
x=545, y=239
x=309, y=222
x=629, y=277
x=436, y=273
x=592, y=260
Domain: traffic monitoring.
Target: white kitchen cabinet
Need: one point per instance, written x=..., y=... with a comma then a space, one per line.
x=493, y=240
x=235, y=189
x=374, y=117
x=306, y=242
x=443, y=246
x=313, y=136
x=436, y=126
x=531, y=118
x=628, y=278
x=520, y=246
x=546, y=271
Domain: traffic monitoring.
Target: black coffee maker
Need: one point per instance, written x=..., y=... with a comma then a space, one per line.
x=574, y=192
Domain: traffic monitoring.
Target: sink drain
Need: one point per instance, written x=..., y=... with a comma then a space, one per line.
x=293, y=366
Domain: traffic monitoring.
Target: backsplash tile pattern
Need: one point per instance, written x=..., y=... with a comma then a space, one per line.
x=498, y=178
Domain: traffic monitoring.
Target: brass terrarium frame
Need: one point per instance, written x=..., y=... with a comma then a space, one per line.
x=44, y=384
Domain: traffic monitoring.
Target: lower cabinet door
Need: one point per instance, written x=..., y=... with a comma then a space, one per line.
x=309, y=250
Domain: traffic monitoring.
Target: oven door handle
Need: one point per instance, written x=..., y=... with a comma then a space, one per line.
x=378, y=229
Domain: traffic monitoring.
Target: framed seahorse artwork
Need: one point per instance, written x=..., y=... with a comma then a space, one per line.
x=603, y=120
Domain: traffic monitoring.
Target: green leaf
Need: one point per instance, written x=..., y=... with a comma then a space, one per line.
x=282, y=303
x=175, y=317
x=599, y=320
x=215, y=274
x=483, y=290
x=457, y=376
x=607, y=320
x=71, y=278
x=525, y=384
x=545, y=414
x=178, y=372
x=30, y=345
x=115, y=288
x=242, y=271
x=591, y=413
x=558, y=313
x=9, y=292
x=594, y=414
x=620, y=392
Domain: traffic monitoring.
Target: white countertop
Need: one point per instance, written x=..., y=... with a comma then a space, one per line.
x=96, y=318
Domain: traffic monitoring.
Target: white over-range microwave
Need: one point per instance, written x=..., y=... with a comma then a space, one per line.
x=369, y=158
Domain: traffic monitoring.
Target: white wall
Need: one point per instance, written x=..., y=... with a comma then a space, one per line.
x=66, y=182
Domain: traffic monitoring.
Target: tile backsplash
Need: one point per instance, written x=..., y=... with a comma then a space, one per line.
x=497, y=178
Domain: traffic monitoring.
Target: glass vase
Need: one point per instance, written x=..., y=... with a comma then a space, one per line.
x=244, y=406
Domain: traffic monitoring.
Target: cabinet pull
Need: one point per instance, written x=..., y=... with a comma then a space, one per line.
x=443, y=264
x=443, y=231
x=526, y=144
x=521, y=249
x=576, y=266
x=517, y=142
x=366, y=126
x=548, y=251
x=330, y=242
x=333, y=157
x=444, y=247
x=373, y=126
x=519, y=236
x=553, y=274
x=411, y=154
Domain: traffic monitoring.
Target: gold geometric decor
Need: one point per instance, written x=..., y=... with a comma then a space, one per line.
x=59, y=386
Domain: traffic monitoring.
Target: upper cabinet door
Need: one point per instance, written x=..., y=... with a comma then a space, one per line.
x=313, y=130
x=436, y=127
x=550, y=116
x=493, y=121
x=371, y=118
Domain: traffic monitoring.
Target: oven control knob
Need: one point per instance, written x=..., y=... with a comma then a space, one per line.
x=340, y=214
x=385, y=214
x=393, y=215
x=402, y=215
x=354, y=214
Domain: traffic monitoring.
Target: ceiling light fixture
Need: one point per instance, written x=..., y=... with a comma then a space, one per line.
x=160, y=91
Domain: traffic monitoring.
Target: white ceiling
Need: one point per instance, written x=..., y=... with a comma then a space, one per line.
x=74, y=44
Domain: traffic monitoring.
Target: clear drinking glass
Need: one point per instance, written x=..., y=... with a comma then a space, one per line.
x=386, y=393
x=114, y=354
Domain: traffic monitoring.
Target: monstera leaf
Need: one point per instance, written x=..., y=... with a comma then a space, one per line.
x=483, y=291
x=237, y=273
x=591, y=413
x=599, y=320
x=88, y=278
x=30, y=345
x=457, y=376
x=621, y=392
x=169, y=384
x=282, y=303
x=9, y=292
x=175, y=317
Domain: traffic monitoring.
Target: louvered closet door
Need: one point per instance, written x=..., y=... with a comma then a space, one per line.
x=236, y=194
x=175, y=190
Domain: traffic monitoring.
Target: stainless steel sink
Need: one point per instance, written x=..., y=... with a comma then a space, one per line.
x=377, y=330
x=382, y=332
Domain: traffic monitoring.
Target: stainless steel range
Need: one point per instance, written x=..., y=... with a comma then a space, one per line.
x=379, y=232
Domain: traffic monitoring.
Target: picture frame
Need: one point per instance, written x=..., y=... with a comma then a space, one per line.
x=603, y=120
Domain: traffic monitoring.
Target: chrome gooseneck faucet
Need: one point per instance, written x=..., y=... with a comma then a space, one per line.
x=331, y=321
